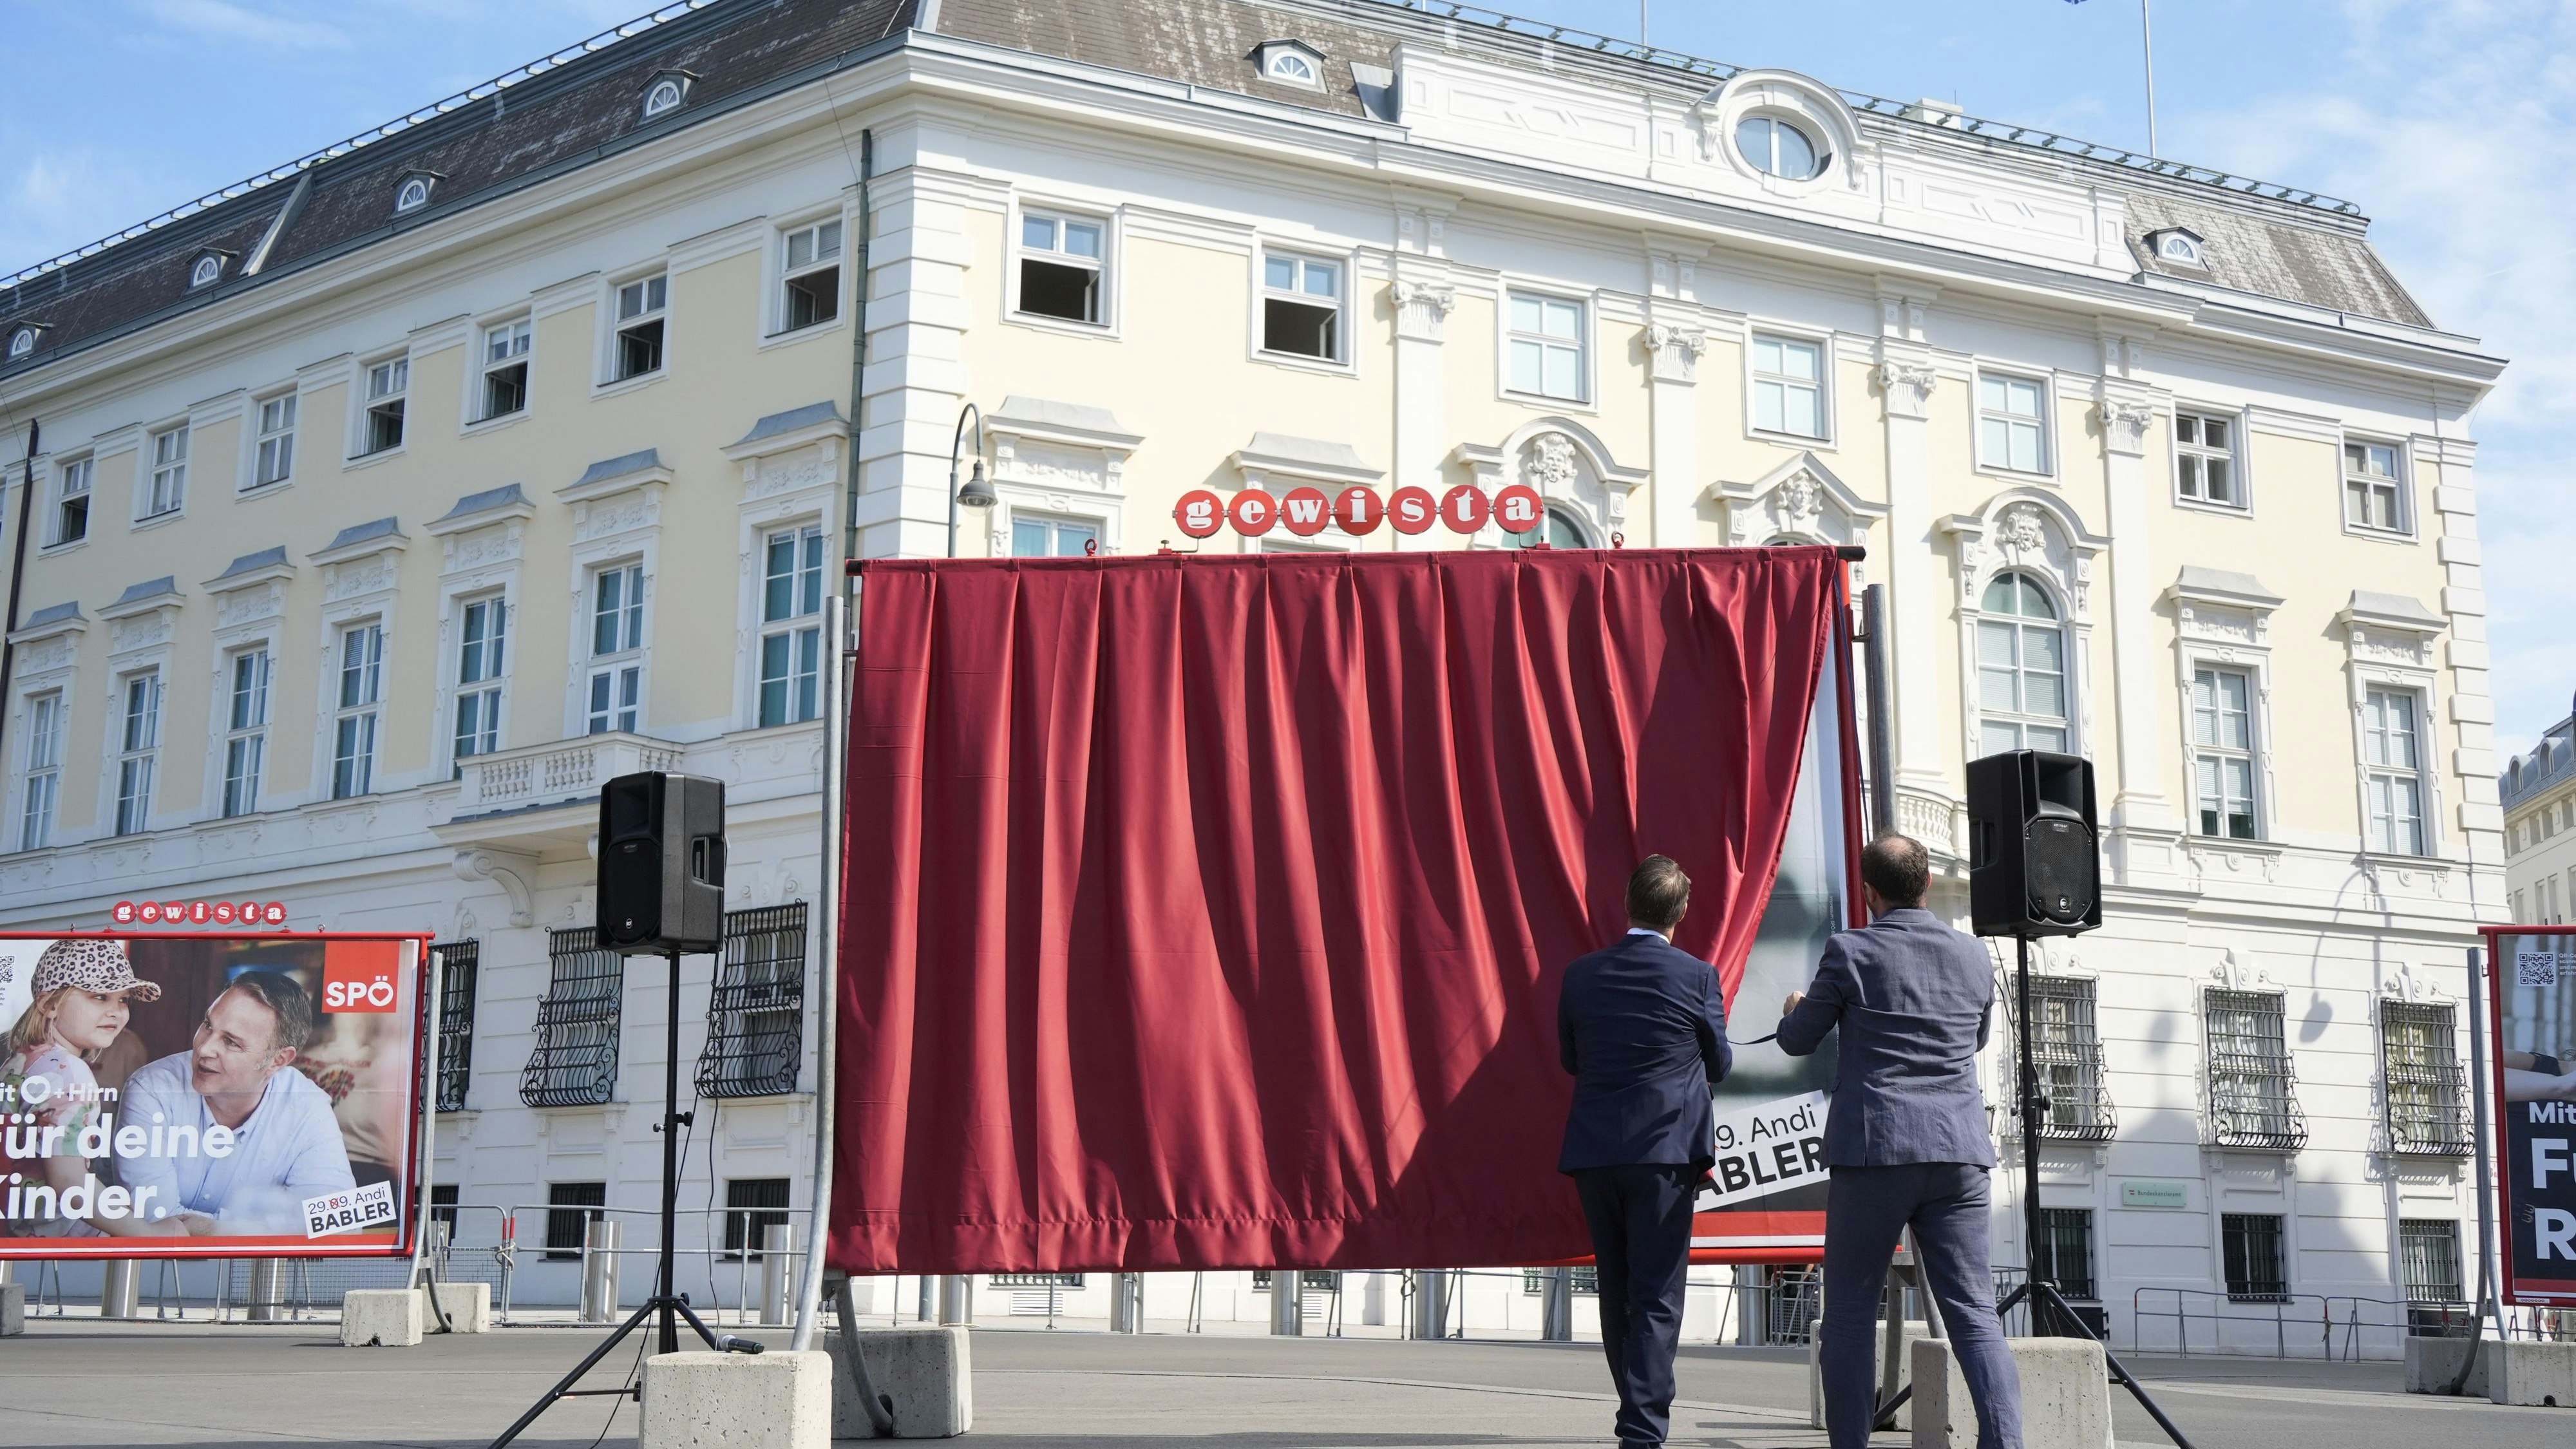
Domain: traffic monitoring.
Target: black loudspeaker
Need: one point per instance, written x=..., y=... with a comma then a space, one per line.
x=661, y=865
x=2034, y=862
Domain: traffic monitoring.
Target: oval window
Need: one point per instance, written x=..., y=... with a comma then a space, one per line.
x=1778, y=148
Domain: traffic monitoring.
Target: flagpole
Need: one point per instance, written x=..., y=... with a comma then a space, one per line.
x=2147, y=38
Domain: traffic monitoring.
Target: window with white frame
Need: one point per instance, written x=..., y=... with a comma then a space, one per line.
x=505, y=370
x=388, y=386
x=412, y=194
x=2021, y=668
x=1291, y=66
x=71, y=502
x=138, y=750
x=1037, y=536
x=2392, y=773
x=641, y=308
x=353, y=722
x=167, y=490
x=2374, y=487
x=615, y=694
x=44, y=770
x=1062, y=261
x=482, y=639
x=2222, y=743
x=1788, y=386
x=664, y=96
x=273, y=455
x=2205, y=460
x=245, y=731
x=1777, y=148
x=810, y=295
x=1546, y=346
x=2012, y=423
x=1301, y=306
x=791, y=629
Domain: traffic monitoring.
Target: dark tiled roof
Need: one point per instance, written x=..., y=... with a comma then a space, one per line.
x=2545, y=768
x=2322, y=265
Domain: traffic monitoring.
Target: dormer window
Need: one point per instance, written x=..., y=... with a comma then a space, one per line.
x=22, y=340
x=2177, y=246
x=1291, y=62
x=413, y=192
x=207, y=270
x=665, y=92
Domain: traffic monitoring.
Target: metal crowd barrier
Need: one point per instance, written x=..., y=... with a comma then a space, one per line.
x=2327, y=1327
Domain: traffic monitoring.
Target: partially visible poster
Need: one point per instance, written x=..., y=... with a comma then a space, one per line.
x=2534, y=979
x=207, y=1096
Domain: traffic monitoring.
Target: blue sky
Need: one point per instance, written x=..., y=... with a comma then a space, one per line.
x=2452, y=122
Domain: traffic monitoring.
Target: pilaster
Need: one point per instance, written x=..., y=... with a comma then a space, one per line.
x=2142, y=821
x=2471, y=712
x=1676, y=342
x=915, y=379
x=1906, y=379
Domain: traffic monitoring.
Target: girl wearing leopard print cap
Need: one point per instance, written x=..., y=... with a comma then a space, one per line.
x=80, y=992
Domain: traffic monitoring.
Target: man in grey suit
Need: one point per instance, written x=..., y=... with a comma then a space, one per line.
x=1906, y=1139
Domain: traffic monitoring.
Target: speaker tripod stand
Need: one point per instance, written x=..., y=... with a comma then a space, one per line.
x=666, y=1307
x=2050, y=1315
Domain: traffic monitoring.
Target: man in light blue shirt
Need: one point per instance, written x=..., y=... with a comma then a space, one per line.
x=235, y=1137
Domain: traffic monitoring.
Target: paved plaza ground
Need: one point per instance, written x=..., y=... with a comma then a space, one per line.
x=83, y=1382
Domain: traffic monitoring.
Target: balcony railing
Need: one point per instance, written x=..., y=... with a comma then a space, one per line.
x=560, y=773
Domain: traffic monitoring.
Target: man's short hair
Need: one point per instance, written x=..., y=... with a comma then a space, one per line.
x=285, y=1000
x=1658, y=893
x=1897, y=867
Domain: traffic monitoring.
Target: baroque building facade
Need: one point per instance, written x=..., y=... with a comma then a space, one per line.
x=385, y=508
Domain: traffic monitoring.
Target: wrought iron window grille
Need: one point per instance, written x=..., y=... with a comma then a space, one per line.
x=756, y=1008
x=459, y=963
x=2067, y=1050
x=2424, y=1092
x=574, y=1063
x=2253, y=1098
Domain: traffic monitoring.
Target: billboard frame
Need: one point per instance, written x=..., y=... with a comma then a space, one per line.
x=2562, y=1291
x=416, y=1146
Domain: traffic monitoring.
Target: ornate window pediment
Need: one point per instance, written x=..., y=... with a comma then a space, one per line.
x=1800, y=500
x=1568, y=466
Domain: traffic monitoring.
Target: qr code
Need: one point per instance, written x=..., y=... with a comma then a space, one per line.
x=2535, y=968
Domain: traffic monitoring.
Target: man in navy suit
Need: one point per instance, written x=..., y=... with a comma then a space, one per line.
x=1642, y=1027
x=1906, y=1139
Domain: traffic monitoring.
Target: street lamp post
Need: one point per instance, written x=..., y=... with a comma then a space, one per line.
x=977, y=493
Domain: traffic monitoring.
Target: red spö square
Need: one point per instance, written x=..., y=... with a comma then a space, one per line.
x=360, y=976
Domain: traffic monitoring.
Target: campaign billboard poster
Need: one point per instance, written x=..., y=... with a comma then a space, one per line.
x=2533, y=972
x=209, y=1096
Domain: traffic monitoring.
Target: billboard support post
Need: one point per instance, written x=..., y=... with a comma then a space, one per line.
x=2488, y=1306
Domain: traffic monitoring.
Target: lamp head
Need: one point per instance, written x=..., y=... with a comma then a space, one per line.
x=977, y=493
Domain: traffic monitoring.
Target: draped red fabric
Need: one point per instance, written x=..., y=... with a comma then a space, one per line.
x=1208, y=912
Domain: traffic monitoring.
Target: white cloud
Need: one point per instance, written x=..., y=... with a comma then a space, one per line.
x=2454, y=124
x=223, y=20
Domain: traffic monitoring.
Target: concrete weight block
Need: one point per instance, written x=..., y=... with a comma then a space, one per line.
x=2431, y=1364
x=774, y=1400
x=1914, y=1328
x=380, y=1317
x=13, y=1309
x=2529, y=1373
x=2065, y=1395
x=927, y=1369
x=468, y=1306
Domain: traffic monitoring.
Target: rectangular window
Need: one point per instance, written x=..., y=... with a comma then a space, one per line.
x=2222, y=739
x=138, y=752
x=753, y=1205
x=1036, y=537
x=574, y=1061
x=2251, y=1103
x=2257, y=1270
x=388, y=385
x=481, y=656
x=813, y=276
x=442, y=1206
x=791, y=640
x=353, y=724
x=44, y=770
x=2429, y=1249
x=1061, y=263
x=459, y=967
x=2393, y=777
x=756, y=1008
x=2205, y=460
x=505, y=370
x=616, y=647
x=168, y=491
x=1788, y=386
x=71, y=502
x=2067, y=1049
x=246, y=731
x=1301, y=307
x=2066, y=1250
x=2012, y=429
x=2374, y=489
x=2427, y=1097
x=640, y=308
x=274, y=461
x=566, y=1222
x=1546, y=346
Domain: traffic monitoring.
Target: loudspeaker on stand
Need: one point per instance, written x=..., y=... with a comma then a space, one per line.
x=2034, y=859
x=661, y=864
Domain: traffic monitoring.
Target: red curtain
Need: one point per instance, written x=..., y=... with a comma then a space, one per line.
x=1208, y=912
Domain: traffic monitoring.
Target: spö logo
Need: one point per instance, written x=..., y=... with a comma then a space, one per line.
x=359, y=976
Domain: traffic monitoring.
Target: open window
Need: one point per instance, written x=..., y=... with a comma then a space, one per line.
x=1062, y=260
